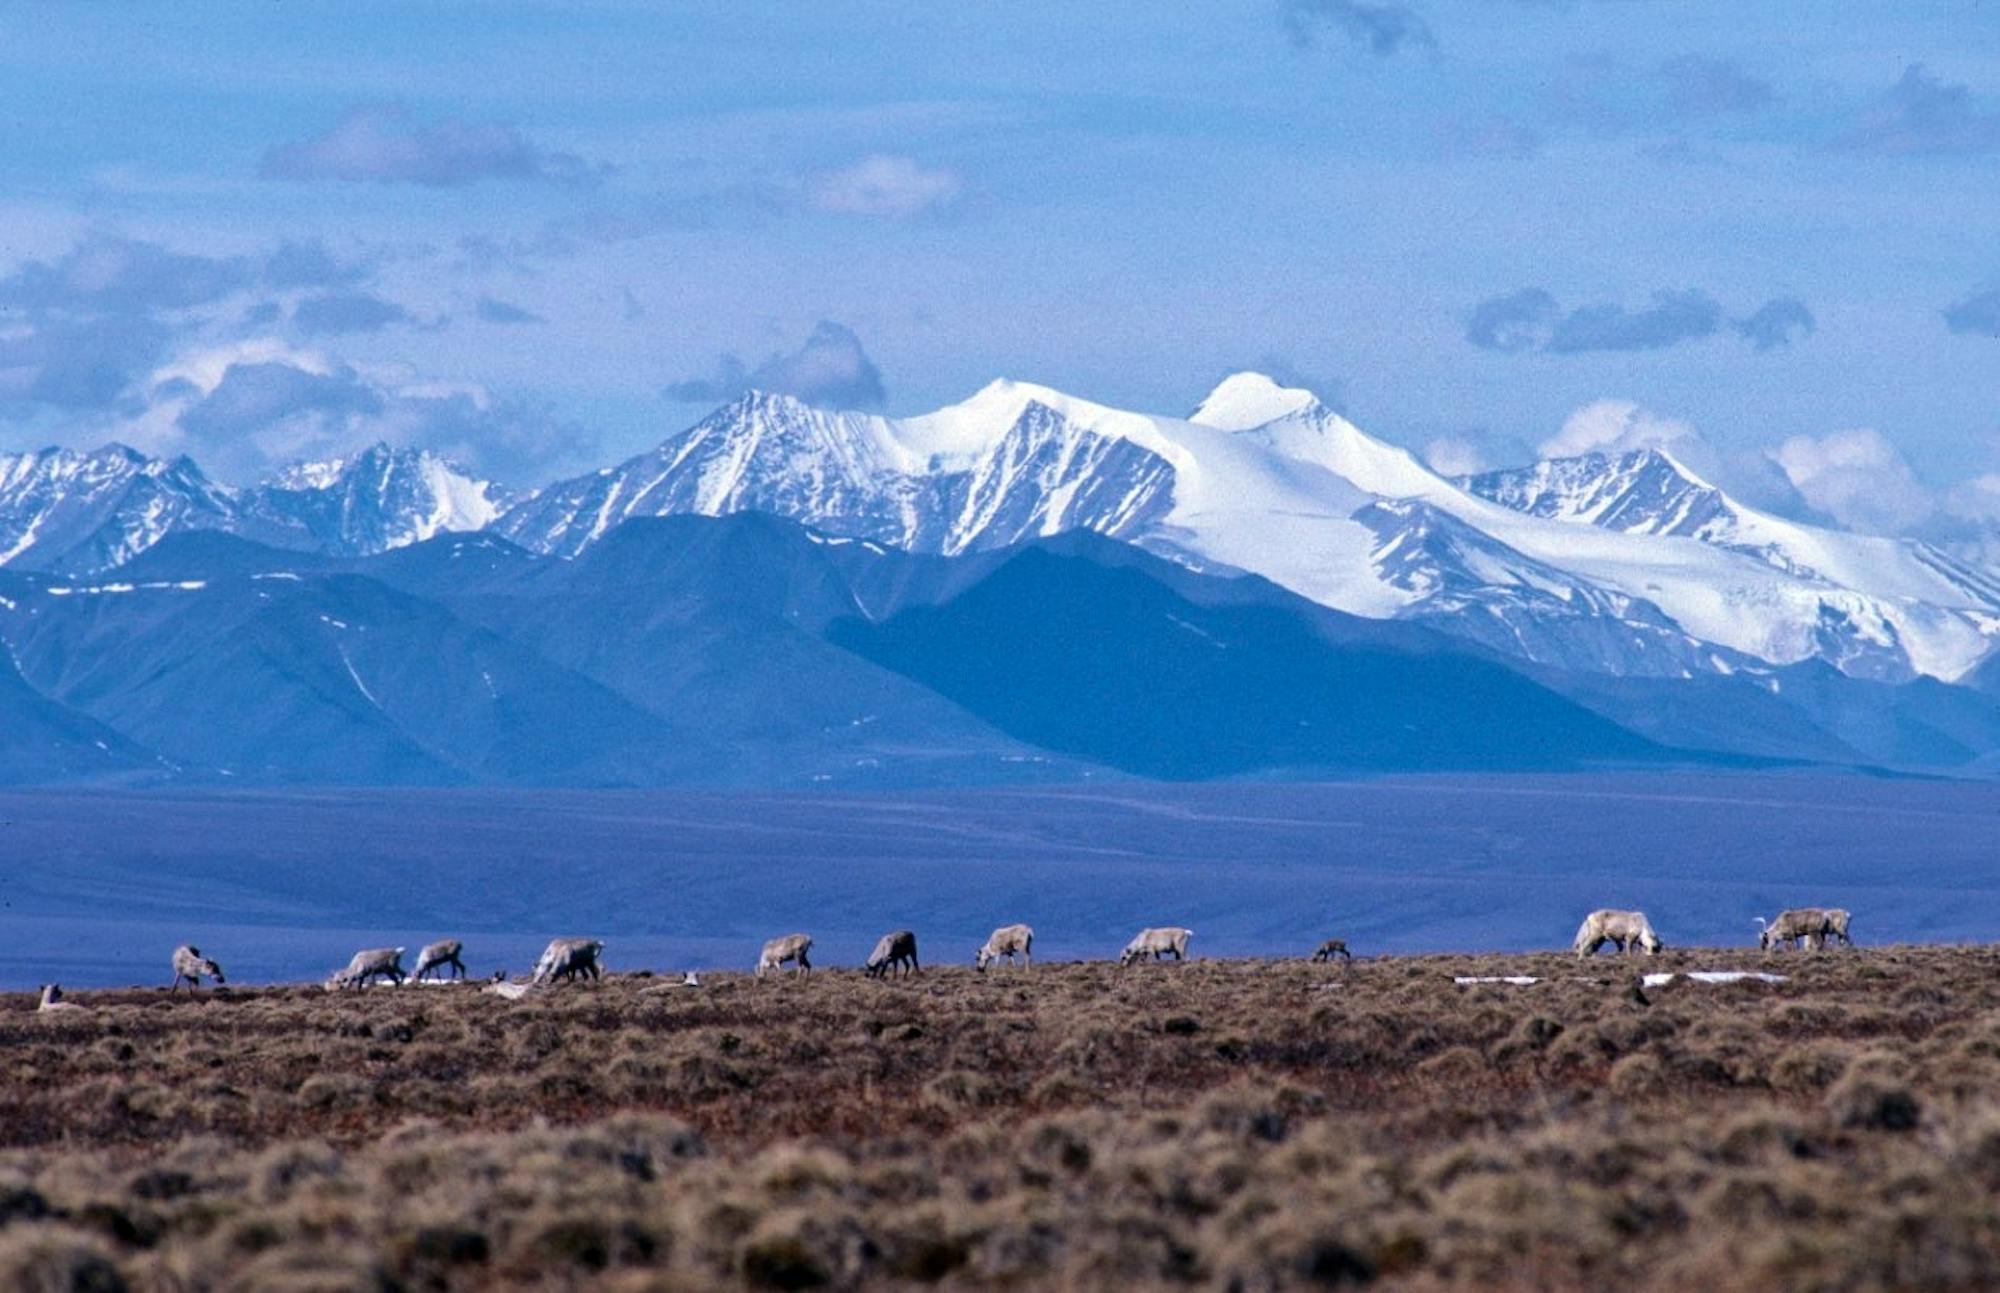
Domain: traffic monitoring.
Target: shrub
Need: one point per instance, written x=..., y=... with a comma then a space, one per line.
x=55, y=1259
x=1866, y=1102
x=1809, y=1066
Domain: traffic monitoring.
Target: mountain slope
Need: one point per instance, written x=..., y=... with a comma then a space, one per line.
x=1645, y=491
x=1469, y=584
x=42, y=741
x=716, y=625
x=329, y=678
x=1874, y=607
x=1107, y=664
x=748, y=650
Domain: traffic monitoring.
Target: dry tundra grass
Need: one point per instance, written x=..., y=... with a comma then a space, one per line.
x=1219, y=1125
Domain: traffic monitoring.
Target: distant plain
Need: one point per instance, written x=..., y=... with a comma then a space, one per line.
x=284, y=885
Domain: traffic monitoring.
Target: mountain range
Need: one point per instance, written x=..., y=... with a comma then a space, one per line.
x=81, y=512
x=1021, y=585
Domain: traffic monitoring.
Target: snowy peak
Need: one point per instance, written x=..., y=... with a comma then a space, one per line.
x=377, y=499
x=1046, y=477
x=74, y=511
x=1241, y=401
x=1645, y=491
x=1008, y=464
x=1319, y=436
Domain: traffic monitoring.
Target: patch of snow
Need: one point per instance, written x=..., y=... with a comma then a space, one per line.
x=27, y=539
x=359, y=685
x=1712, y=976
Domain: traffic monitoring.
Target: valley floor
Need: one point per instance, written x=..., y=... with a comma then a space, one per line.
x=284, y=885
x=1219, y=1124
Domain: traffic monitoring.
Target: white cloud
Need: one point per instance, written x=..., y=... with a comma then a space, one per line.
x=1750, y=476
x=1456, y=456
x=251, y=405
x=203, y=368
x=831, y=370
x=899, y=188
x=1615, y=426
x=1978, y=498
x=1857, y=477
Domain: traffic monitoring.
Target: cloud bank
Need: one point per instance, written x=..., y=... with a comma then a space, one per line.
x=1922, y=115
x=1857, y=477
x=389, y=146
x=1384, y=29
x=830, y=370
x=1531, y=319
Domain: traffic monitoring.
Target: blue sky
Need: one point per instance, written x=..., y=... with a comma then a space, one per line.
x=542, y=236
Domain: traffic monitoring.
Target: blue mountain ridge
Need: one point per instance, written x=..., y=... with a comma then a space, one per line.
x=747, y=650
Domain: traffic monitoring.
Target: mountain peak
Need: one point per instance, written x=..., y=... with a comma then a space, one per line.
x=376, y=498
x=1244, y=400
x=323, y=473
x=1666, y=457
x=757, y=398
x=1639, y=491
x=1002, y=400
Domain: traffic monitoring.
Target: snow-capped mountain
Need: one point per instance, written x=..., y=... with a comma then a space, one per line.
x=77, y=512
x=1645, y=491
x=1876, y=607
x=377, y=499
x=74, y=511
x=936, y=485
x=1624, y=564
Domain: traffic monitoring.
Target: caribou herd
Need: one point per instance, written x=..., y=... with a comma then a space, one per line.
x=895, y=954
